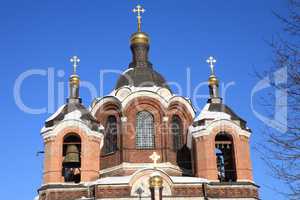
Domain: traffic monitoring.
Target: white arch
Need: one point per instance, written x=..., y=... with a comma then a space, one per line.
x=104, y=100
x=195, y=132
x=124, y=102
x=54, y=131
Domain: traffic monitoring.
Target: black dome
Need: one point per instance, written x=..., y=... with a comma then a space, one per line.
x=141, y=77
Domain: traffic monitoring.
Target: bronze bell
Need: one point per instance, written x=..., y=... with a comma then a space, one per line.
x=72, y=158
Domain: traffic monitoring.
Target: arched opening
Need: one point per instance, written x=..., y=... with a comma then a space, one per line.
x=177, y=132
x=71, y=158
x=184, y=161
x=145, y=130
x=111, y=135
x=225, y=158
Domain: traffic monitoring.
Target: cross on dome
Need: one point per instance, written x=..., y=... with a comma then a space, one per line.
x=139, y=10
x=211, y=61
x=75, y=60
x=155, y=157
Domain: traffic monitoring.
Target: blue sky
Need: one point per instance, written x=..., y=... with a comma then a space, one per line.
x=39, y=35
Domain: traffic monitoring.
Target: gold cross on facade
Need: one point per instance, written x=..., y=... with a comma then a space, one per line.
x=75, y=60
x=211, y=61
x=154, y=157
x=139, y=10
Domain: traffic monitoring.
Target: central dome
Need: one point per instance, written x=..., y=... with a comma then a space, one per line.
x=140, y=72
x=141, y=77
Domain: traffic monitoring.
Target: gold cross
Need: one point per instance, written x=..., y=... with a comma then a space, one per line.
x=75, y=60
x=211, y=61
x=139, y=10
x=154, y=157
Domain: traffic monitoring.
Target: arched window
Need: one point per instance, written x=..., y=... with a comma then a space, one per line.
x=225, y=158
x=145, y=130
x=176, y=127
x=71, y=158
x=111, y=135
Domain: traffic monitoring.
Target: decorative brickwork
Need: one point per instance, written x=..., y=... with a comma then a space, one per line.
x=113, y=192
x=187, y=191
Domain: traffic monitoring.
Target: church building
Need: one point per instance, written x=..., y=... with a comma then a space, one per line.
x=144, y=142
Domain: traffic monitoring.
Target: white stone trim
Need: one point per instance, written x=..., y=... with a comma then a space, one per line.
x=150, y=92
x=144, y=93
x=185, y=101
x=124, y=119
x=53, y=116
x=101, y=101
x=206, y=114
x=246, y=180
x=54, y=131
x=165, y=119
x=195, y=132
x=125, y=180
x=137, y=166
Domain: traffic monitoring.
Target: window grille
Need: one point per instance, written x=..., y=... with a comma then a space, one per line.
x=145, y=130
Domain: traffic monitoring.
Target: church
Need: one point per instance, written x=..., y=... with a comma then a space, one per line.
x=144, y=142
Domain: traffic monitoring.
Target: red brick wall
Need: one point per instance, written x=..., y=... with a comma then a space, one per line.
x=90, y=156
x=211, y=191
x=204, y=151
x=127, y=142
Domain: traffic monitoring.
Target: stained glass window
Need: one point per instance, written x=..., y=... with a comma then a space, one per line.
x=145, y=130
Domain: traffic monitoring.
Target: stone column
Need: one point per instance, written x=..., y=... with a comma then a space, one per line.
x=123, y=135
x=164, y=141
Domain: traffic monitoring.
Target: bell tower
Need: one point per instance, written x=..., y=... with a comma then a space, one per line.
x=220, y=140
x=73, y=140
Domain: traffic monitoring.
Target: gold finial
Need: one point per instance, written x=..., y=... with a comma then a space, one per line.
x=75, y=60
x=139, y=10
x=154, y=157
x=156, y=181
x=211, y=61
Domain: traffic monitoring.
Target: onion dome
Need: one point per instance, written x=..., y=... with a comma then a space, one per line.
x=140, y=72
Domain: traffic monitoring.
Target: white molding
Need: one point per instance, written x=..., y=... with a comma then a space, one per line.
x=138, y=166
x=165, y=119
x=151, y=92
x=246, y=180
x=101, y=101
x=195, y=132
x=54, y=131
x=124, y=119
x=144, y=93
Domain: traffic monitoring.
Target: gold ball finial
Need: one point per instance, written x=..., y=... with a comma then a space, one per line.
x=74, y=79
x=156, y=181
x=140, y=38
x=213, y=80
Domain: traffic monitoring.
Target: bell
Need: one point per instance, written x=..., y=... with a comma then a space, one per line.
x=72, y=158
